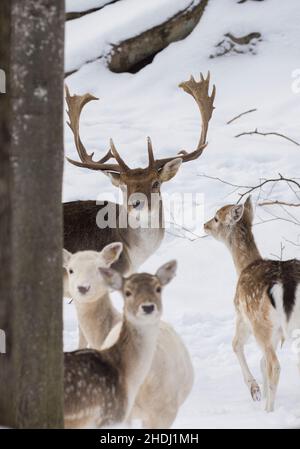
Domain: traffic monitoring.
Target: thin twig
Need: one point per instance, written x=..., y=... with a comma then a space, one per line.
x=291, y=242
x=240, y=115
x=250, y=189
x=277, y=202
x=215, y=178
x=250, y=133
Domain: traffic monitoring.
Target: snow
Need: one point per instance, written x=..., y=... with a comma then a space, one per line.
x=199, y=302
x=84, y=5
x=116, y=22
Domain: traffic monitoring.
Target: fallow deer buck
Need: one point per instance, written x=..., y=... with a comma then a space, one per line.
x=267, y=298
x=139, y=242
x=101, y=386
x=171, y=374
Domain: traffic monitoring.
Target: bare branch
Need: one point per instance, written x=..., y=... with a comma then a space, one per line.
x=240, y=115
x=250, y=189
x=250, y=133
x=277, y=202
x=215, y=178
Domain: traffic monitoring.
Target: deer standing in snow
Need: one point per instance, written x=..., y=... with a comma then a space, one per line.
x=141, y=189
x=101, y=386
x=170, y=378
x=267, y=298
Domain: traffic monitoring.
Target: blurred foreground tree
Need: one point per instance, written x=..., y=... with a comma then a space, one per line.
x=31, y=163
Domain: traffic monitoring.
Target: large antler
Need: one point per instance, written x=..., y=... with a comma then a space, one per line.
x=200, y=92
x=75, y=105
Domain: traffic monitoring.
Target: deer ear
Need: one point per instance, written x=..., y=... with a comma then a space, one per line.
x=170, y=169
x=166, y=273
x=237, y=212
x=112, y=278
x=249, y=208
x=111, y=252
x=66, y=257
x=114, y=178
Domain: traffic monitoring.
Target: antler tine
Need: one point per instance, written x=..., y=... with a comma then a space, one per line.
x=117, y=156
x=75, y=105
x=150, y=153
x=200, y=92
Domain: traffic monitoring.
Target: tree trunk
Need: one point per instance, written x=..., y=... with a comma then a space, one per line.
x=31, y=163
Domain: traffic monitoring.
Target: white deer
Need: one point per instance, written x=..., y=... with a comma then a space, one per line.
x=95, y=312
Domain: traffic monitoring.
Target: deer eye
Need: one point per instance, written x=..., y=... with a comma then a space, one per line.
x=216, y=219
x=155, y=185
x=158, y=289
x=71, y=271
x=127, y=293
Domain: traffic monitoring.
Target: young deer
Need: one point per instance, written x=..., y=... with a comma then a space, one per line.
x=101, y=386
x=168, y=382
x=96, y=314
x=142, y=203
x=267, y=299
x=170, y=378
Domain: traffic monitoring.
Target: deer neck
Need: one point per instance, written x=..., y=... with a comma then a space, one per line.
x=243, y=248
x=136, y=347
x=96, y=320
x=143, y=241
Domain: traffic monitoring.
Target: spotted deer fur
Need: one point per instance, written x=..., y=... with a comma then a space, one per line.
x=267, y=298
x=171, y=371
x=101, y=386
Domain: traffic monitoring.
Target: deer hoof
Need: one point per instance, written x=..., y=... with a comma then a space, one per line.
x=255, y=392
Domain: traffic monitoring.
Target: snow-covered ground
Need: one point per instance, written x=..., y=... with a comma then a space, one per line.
x=199, y=302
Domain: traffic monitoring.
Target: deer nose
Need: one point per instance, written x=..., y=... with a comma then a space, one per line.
x=83, y=289
x=148, y=308
x=206, y=226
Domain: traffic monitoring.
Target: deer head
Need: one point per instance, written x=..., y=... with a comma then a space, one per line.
x=140, y=183
x=84, y=271
x=141, y=291
x=229, y=219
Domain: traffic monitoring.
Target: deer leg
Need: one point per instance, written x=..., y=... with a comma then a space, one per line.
x=263, y=363
x=273, y=374
x=241, y=336
x=263, y=367
x=271, y=364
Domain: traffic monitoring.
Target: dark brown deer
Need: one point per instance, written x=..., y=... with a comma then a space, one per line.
x=140, y=187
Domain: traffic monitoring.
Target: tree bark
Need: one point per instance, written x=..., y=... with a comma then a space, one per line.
x=31, y=163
